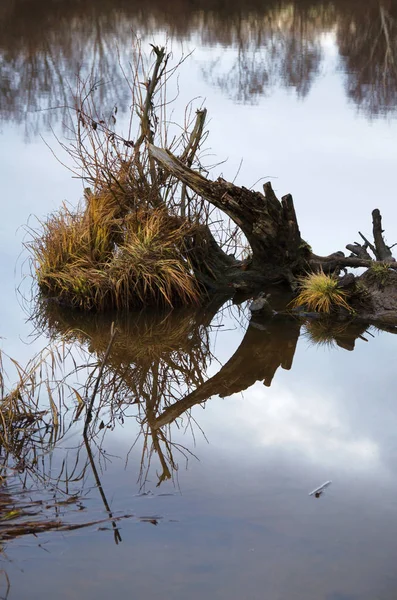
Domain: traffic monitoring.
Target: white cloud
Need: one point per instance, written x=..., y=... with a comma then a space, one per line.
x=311, y=425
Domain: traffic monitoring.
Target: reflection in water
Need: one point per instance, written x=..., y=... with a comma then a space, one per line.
x=137, y=371
x=368, y=45
x=150, y=369
x=283, y=47
x=153, y=361
x=148, y=366
x=328, y=333
x=161, y=368
x=43, y=48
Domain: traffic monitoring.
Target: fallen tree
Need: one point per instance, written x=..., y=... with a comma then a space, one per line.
x=271, y=226
x=281, y=255
x=146, y=233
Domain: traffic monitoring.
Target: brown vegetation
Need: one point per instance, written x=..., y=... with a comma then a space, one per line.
x=93, y=260
x=144, y=236
x=320, y=293
x=138, y=236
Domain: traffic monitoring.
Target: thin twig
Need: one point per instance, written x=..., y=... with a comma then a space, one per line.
x=88, y=419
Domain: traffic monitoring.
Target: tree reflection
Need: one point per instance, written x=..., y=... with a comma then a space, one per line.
x=154, y=371
x=44, y=48
x=280, y=48
x=368, y=44
x=147, y=369
x=154, y=360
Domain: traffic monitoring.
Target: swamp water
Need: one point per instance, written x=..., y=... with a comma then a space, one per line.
x=208, y=432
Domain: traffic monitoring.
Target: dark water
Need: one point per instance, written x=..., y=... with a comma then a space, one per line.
x=208, y=432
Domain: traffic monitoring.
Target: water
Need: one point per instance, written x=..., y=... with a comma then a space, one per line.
x=305, y=94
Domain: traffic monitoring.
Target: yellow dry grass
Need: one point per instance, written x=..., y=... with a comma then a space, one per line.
x=320, y=293
x=125, y=247
x=103, y=257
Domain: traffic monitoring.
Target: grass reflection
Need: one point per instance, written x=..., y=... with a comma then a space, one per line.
x=148, y=369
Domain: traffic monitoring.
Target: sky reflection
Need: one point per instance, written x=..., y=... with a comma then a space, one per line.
x=239, y=522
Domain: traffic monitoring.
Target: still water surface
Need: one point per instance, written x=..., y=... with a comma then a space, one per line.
x=211, y=431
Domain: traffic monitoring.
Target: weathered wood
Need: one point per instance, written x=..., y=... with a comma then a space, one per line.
x=383, y=252
x=359, y=250
x=331, y=262
x=347, y=282
x=279, y=254
x=191, y=149
x=269, y=225
x=289, y=216
x=367, y=243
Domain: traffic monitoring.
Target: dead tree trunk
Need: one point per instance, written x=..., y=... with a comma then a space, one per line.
x=271, y=227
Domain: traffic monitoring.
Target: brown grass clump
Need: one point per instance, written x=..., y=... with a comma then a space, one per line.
x=320, y=293
x=131, y=243
x=151, y=264
x=99, y=259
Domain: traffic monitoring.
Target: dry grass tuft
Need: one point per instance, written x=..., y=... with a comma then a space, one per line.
x=131, y=243
x=98, y=258
x=320, y=293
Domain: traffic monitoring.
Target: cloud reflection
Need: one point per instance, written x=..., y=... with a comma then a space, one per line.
x=311, y=425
